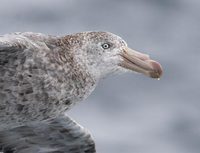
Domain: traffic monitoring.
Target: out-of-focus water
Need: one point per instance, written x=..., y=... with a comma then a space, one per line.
x=131, y=113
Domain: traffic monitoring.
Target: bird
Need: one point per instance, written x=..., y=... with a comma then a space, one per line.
x=43, y=76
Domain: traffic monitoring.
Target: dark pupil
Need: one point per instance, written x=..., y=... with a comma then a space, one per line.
x=105, y=46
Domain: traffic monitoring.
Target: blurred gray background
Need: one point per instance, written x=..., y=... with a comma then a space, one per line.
x=131, y=113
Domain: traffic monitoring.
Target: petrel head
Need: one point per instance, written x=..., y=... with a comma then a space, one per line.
x=105, y=53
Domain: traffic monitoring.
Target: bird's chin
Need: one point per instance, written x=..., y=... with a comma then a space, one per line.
x=140, y=63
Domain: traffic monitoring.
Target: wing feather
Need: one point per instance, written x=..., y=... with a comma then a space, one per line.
x=10, y=49
x=59, y=135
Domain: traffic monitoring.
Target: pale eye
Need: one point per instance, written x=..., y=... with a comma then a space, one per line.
x=106, y=46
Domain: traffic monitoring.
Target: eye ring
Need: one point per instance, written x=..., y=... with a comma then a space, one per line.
x=105, y=46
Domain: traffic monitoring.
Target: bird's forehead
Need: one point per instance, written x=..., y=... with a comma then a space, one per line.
x=105, y=37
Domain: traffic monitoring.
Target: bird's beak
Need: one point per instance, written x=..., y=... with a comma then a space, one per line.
x=141, y=63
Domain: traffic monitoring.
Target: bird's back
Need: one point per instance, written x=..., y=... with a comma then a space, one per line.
x=19, y=78
x=35, y=90
x=34, y=83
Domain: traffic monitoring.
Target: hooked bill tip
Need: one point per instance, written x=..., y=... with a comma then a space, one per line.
x=156, y=69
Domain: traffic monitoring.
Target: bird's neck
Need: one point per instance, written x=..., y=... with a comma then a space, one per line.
x=70, y=78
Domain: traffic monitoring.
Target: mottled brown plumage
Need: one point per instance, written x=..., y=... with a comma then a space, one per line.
x=42, y=76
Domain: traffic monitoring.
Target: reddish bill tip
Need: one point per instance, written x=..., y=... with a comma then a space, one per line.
x=156, y=69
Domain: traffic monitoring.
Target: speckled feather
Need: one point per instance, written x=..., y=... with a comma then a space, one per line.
x=42, y=76
x=60, y=135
